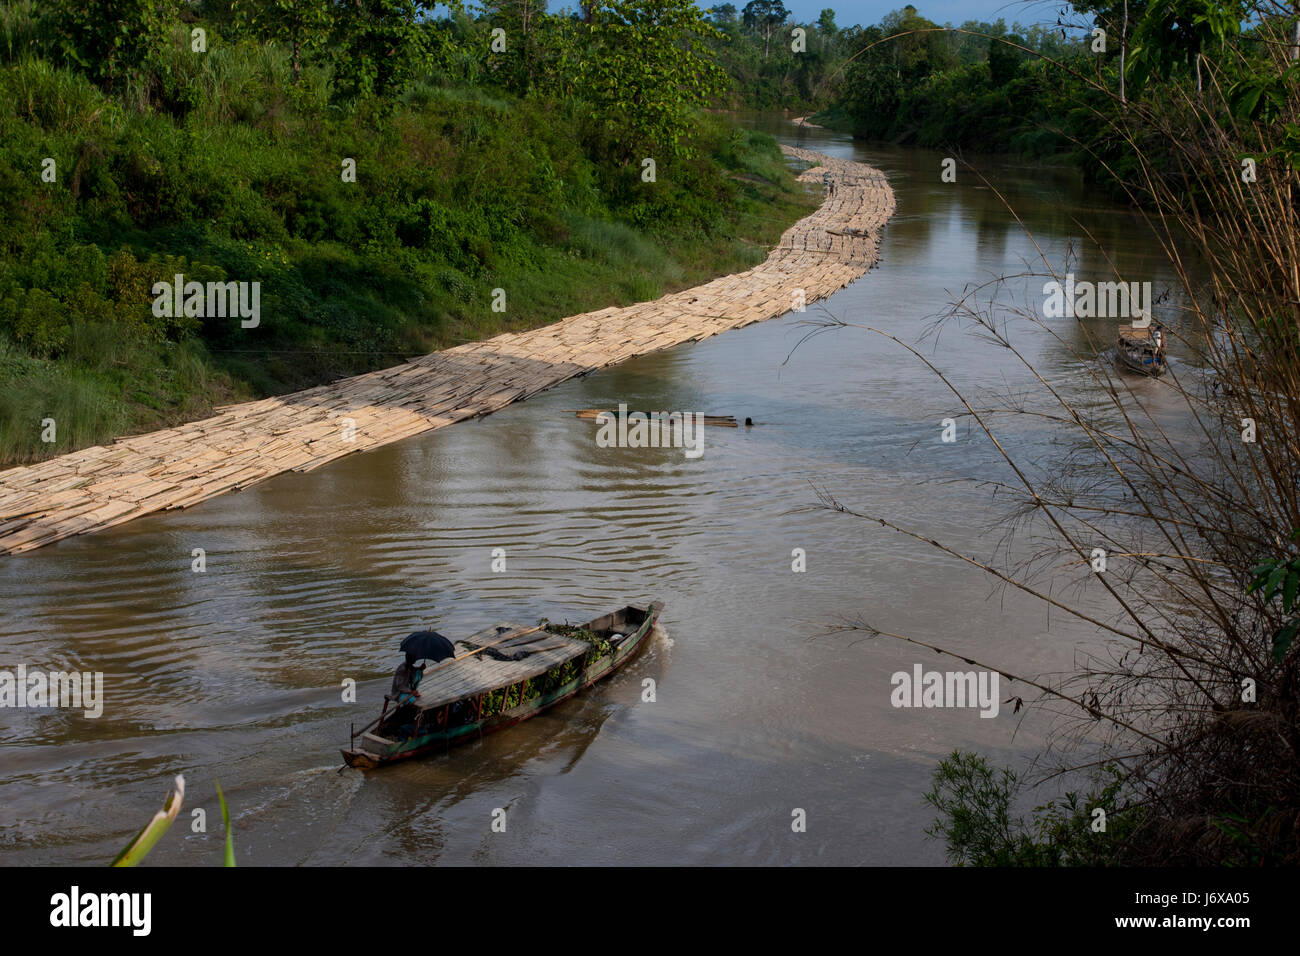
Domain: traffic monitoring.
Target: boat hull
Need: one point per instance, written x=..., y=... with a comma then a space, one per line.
x=440, y=741
x=1144, y=364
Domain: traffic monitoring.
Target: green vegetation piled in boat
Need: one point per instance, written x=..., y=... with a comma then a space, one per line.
x=499, y=677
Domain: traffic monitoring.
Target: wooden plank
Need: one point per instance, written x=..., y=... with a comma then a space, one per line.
x=477, y=675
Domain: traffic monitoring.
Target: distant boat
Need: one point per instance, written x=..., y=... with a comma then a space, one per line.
x=500, y=676
x=1142, y=350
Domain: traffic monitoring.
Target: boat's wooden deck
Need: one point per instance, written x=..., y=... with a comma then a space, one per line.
x=455, y=680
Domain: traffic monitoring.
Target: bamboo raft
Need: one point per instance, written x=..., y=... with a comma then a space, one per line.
x=106, y=485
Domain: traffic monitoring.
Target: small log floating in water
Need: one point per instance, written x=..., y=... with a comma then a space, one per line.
x=722, y=421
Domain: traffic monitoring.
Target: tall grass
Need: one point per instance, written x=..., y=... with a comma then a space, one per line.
x=53, y=98
x=84, y=408
x=19, y=32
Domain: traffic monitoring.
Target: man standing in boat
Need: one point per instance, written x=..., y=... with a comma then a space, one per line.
x=420, y=646
x=406, y=677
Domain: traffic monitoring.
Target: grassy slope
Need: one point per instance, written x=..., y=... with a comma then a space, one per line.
x=459, y=192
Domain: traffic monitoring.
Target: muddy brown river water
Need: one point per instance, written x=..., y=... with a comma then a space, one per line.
x=235, y=673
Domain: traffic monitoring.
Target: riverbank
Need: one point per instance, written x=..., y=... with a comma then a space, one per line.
x=102, y=486
x=373, y=233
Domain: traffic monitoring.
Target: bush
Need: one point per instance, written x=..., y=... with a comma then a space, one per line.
x=978, y=828
x=35, y=319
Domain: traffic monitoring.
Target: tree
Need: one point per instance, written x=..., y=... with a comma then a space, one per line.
x=1295, y=31
x=1116, y=17
x=523, y=21
x=1180, y=31
x=109, y=39
x=1005, y=60
x=763, y=17
x=923, y=51
x=725, y=13
x=647, y=71
x=872, y=90
x=826, y=27
x=378, y=46
x=302, y=25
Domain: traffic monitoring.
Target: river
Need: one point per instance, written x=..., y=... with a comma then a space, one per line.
x=236, y=672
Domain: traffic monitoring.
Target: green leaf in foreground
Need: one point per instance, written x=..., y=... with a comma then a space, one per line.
x=1283, y=637
x=139, y=848
x=230, y=834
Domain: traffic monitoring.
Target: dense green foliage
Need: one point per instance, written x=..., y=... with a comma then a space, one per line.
x=980, y=86
x=1042, y=94
x=638, y=51
x=917, y=89
x=232, y=164
x=990, y=88
x=754, y=46
x=776, y=62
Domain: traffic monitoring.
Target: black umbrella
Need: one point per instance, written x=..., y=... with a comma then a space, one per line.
x=428, y=646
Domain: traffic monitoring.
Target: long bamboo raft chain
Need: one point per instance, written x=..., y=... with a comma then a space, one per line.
x=99, y=487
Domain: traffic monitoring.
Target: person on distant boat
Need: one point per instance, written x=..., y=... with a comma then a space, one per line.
x=406, y=677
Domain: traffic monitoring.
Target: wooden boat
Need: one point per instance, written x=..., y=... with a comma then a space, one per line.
x=500, y=676
x=1142, y=350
